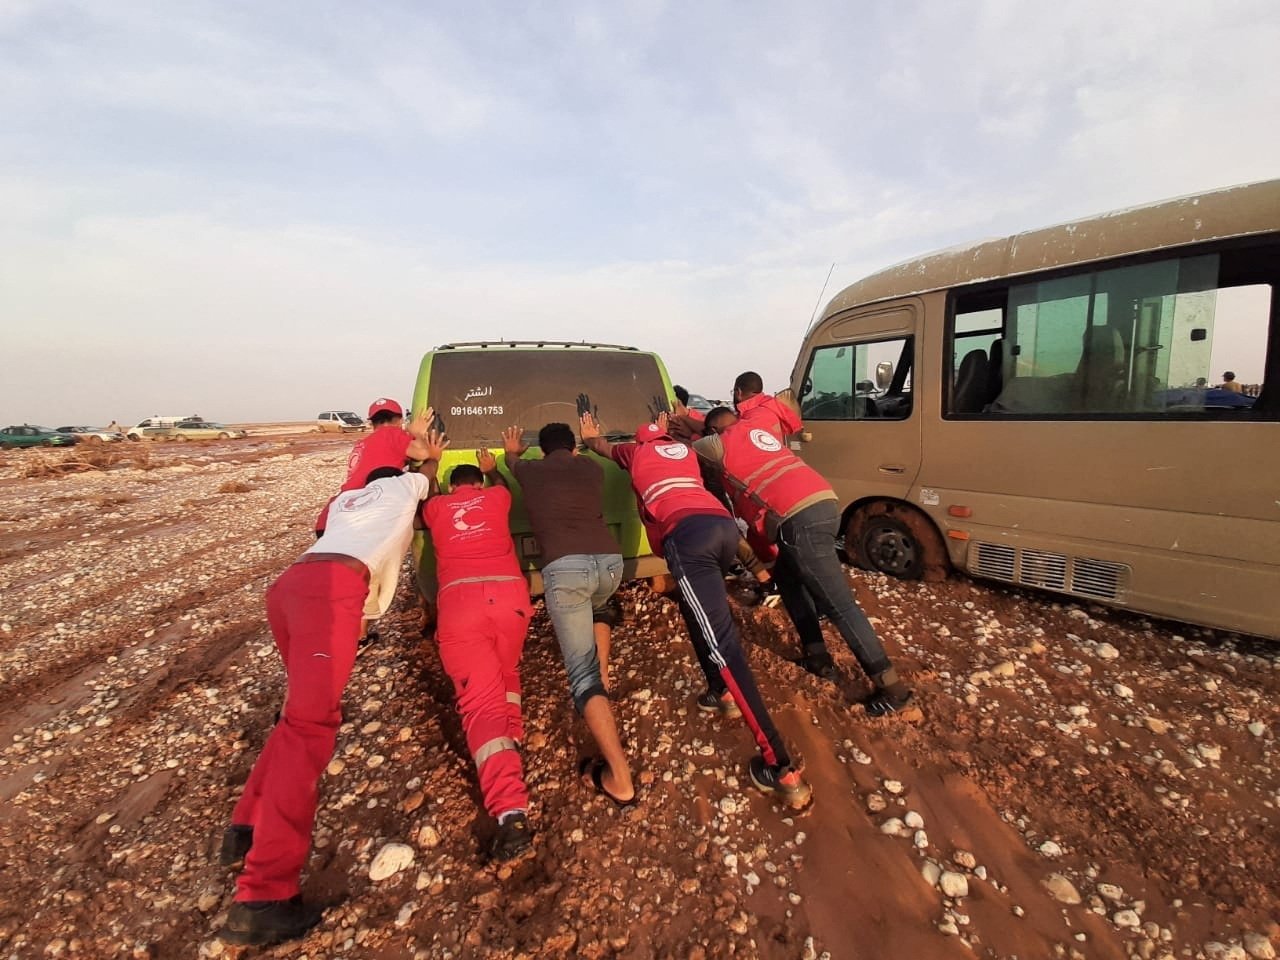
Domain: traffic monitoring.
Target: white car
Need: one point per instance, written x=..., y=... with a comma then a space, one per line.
x=340, y=421
x=92, y=434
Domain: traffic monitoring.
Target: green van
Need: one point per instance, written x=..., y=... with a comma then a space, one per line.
x=479, y=389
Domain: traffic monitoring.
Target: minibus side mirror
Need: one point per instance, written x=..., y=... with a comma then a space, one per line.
x=884, y=374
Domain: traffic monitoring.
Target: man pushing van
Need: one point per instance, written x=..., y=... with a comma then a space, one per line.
x=780, y=495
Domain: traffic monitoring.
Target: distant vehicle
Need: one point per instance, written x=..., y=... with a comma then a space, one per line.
x=28, y=436
x=340, y=421
x=92, y=434
x=1016, y=409
x=479, y=389
x=204, y=430
x=153, y=428
x=700, y=403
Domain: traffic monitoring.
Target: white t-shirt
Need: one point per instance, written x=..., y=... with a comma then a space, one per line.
x=375, y=524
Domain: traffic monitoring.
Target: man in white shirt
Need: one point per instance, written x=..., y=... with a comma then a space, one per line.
x=314, y=609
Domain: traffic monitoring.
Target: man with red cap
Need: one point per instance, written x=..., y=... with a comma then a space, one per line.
x=484, y=613
x=314, y=609
x=389, y=445
x=795, y=508
x=699, y=539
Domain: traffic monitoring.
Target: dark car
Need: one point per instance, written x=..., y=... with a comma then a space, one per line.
x=93, y=434
x=28, y=436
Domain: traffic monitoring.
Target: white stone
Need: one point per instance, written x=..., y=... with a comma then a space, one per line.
x=894, y=786
x=1106, y=651
x=921, y=840
x=895, y=828
x=1123, y=692
x=1050, y=849
x=931, y=872
x=1127, y=919
x=1109, y=891
x=1257, y=729
x=1006, y=668
x=390, y=860
x=1259, y=947
x=1209, y=751
x=406, y=913
x=1061, y=889
x=953, y=884
x=913, y=820
x=1224, y=951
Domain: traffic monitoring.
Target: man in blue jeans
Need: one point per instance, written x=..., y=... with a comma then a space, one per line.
x=581, y=569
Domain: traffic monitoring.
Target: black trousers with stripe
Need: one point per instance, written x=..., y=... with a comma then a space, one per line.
x=700, y=551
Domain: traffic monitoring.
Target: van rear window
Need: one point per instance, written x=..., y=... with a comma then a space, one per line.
x=479, y=393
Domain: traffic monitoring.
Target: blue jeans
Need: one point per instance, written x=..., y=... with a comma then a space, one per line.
x=574, y=588
x=807, y=558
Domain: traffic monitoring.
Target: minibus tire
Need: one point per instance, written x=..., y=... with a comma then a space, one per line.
x=896, y=540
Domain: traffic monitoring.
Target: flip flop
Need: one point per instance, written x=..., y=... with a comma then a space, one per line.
x=595, y=768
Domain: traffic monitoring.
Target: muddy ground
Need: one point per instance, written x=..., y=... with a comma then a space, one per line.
x=1084, y=783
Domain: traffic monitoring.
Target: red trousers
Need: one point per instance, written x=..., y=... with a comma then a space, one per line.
x=314, y=610
x=481, y=631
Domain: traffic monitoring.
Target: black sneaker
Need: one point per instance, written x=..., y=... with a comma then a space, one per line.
x=264, y=922
x=884, y=702
x=783, y=782
x=722, y=704
x=513, y=838
x=819, y=664
x=236, y=841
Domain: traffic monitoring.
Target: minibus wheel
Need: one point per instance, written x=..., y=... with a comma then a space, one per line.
x=897, y=540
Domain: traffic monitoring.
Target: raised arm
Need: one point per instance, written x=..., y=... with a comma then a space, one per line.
x=593, y=438
x=419, y=428
x=489, y=467
x=434, y=445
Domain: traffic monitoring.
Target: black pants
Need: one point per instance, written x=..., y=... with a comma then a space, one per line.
x=700, y=552
x=810, y=571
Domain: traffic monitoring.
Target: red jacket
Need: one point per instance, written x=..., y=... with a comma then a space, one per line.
x=770, y=413
x=765, y=480
x=667, y=482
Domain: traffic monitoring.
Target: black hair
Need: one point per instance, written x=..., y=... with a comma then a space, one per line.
x=749, y=383
x=681, y=394
x=1228, y=376
x=383, y=416
x=556, y=436
x=715, y=415
x=465, y=473
x=382, y=473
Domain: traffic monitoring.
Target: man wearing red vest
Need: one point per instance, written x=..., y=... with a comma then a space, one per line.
x=761, y=410
x=777, y=492
x=699, y=539
x=484, y=613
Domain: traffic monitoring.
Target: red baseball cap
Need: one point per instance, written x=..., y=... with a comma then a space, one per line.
x=382, y=403
x=647, y=432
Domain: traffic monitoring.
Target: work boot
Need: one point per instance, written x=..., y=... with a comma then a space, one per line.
x=785, y=783
x=513, y=838
x=819, y=664
x=723, y=704
x=236, y=841
x=264, y=922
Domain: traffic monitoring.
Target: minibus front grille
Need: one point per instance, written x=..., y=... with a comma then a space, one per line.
x=994, y=560
x=1099, y=578
x=1039, y=569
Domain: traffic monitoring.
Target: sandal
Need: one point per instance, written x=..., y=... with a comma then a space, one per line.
x=595, y=768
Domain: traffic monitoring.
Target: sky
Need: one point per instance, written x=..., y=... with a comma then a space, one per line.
x=259, y=211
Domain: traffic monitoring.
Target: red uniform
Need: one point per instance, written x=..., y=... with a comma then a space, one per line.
x=765, y=480
x=667, y=482
x=314, y=610
x=387, y=446
x=483, y=618
x=771, y=414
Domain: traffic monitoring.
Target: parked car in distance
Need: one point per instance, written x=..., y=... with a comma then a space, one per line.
x=204, y=430
x=340, y=421
x=25, y=435
x=700, y=403
x=152, y=428
x=92, y=434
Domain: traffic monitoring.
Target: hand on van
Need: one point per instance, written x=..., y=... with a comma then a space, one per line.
x=487, y=461
x=590, y=428
x=513, y=442
x=435, y=443
x=421, y=423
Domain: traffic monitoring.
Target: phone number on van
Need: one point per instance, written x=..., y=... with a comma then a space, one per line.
x=494, y=411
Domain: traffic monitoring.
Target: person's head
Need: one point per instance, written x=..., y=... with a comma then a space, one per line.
x=1228, y=376
x=382, y=473
x=720, y=419
x=747, y=386
x=383, y=411
x=649, y=432
x=556, y=436
x=466, y=475
x=681, y=394
x=1201, y=382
